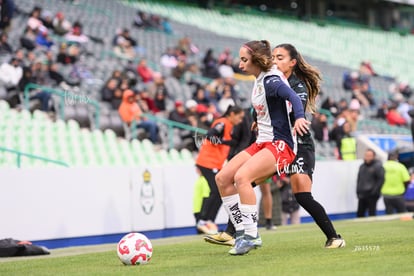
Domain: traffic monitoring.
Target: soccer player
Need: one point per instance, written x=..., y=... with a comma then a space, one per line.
x=273, y=150
x=305, y=80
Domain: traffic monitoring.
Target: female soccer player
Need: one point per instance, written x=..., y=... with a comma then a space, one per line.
x=305, y=80
x=273, y=150
x=211, y=157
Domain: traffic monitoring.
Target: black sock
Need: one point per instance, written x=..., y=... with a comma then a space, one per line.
x=230, y=228
x=268, y=222
x=318, y=213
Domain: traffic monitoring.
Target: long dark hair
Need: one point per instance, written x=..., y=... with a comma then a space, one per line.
x=310, y=75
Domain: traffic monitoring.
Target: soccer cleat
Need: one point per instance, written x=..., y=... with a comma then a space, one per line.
x=243, y=245
x=222, y=238
x=335, y=242
x=257, y=241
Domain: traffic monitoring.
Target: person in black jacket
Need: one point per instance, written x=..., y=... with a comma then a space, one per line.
x=369, y=182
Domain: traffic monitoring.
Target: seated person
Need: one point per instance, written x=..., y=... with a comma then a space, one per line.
x=130, y=111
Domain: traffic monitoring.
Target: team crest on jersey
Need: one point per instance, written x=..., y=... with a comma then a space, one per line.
x=259, y=90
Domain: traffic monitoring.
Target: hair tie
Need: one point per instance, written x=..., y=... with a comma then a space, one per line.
x=248, y=48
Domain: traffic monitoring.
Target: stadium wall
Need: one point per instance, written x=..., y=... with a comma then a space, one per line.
x=64, y=203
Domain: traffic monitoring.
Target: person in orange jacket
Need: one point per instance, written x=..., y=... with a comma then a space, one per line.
x=211, y=158
x=129, y=111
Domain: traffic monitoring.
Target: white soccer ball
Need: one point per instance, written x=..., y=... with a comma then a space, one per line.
x=134, y=249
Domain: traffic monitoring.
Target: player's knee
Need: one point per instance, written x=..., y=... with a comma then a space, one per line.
x=221, y=179
x=303, y=198
x=241, y=179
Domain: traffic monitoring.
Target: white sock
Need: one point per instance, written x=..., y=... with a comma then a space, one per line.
x=231, y=205
x=250, y=218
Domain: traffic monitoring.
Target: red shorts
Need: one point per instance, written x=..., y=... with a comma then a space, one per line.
x=283, y=154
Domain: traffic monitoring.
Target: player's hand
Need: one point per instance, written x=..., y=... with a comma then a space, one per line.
x=301, y=126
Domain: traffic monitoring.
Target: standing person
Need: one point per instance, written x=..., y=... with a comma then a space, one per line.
x=305, y=80
x=369, y=182
x=210, y=160
x=273, y=150
x=395, y=183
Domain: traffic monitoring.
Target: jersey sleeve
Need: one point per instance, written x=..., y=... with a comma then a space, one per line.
x=275, y=87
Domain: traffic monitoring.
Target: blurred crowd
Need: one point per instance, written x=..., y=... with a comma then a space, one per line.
x=51, y=42
x=51, y=53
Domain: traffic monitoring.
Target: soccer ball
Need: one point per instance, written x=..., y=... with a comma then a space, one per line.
x=134, y=249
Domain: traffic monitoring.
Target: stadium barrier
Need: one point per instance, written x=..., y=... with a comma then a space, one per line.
x=63, y=203
x=19, y=155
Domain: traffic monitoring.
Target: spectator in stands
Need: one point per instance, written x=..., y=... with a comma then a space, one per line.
x=111, y=93
x=397, y=178
x=394, y=118
x=47, y=19
x=226, y=99
x=130, y=111
x=125, y=50
x=68, y=54
x=34, y=22
x=60, y=24
x=76, y=35
x=149, y=101
x=382, y=110
x=179, y=115
x=320, y=128
x=179, y=70
x=28, y=39
x=5, y=47
x=210, y=65
x=352, y=114
x=201, y=119
x=330, y=105
x=405, y=89
x=124, y=45
x=225, y=68
x=8, y=8
x=225, y=55
x=141, y=20
x=187, y=47
x=11, y=73
x=200, y=96
x=346, y=143
x=369, y=182
x=166, y=25
x=360, y=87
x=160, y=101
x=144, y=71
x=42, y=96
x=168, y=60
x=43, y=40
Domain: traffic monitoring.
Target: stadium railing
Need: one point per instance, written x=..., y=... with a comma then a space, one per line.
x=19, y=155
x=170, y=125
x=64, y=95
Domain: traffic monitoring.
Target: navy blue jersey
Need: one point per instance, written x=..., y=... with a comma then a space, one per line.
x=272, y=99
